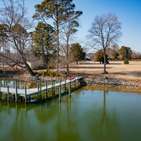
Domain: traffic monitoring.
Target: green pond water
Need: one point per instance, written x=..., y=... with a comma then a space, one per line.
x=86, y=116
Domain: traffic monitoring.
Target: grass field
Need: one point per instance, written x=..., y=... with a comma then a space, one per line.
x=116, y=69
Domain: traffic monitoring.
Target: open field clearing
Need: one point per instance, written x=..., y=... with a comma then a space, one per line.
x=116, y=69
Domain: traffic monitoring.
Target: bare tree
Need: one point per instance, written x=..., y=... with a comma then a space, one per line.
x=69, y=28
x=105, y=31
x=12, y=15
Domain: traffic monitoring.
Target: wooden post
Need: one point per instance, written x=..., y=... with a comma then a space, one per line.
x=8, y=93
x=16, y=93
x=46, y=89
x=25, y=94
x=59, y=91
x=0, y=86
x=52, y=87
x=29, y=98
x=41, y=89
x=38, y=87
x=5, y=83
x=60, y=86
x=75, y=83
x=0, y=90
x=65, y=85
x=17, y=84
x=70, y=88
x=0, y=96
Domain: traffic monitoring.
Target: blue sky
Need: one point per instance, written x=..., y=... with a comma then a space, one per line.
x=128, y=11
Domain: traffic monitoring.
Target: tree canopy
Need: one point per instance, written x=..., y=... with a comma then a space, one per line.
x=43, y=42
x=125, y=54
x=77, y=53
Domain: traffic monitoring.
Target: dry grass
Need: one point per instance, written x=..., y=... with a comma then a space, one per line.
x=116, y=69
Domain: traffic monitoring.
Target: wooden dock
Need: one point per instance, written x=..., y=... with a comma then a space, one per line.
x=48, y=90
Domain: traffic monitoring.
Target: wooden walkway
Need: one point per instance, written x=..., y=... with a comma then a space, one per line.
x=29, y=92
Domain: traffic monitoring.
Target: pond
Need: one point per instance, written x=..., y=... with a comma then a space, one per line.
x=89, y=115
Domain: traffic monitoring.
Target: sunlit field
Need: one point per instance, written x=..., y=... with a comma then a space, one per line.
x=115, y=68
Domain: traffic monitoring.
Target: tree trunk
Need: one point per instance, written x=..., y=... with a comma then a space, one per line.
x=105, y=61
x=67, y=57
x=44, y=58
x=58, y=38
x=68, y=71
x=29, y=69
x=32, y=73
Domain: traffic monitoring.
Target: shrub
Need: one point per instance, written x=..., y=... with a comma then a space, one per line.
x=126, y=61
x=31, y=85
x=50, y=73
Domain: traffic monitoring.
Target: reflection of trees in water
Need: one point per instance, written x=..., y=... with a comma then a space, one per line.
x=94, y=122
x=24, y=124
x=7, y=116
x=33, y=123
x=14, y=119
x=98, y=124
x=106, y=127
x=45, y=113
x=64, y=121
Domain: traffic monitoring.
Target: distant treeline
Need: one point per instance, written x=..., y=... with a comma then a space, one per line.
x=116, y=53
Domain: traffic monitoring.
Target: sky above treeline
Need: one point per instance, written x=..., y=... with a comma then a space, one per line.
x=128, y=11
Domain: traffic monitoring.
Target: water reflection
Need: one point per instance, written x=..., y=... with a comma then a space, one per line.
x=87, y=115
x=106, y=127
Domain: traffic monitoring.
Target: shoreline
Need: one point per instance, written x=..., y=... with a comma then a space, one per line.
x=105, y=82
x=116, y=88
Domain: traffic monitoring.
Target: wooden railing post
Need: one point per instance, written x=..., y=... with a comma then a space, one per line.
x=59, y=90
x=0, y=86
x=8, y=93
x=41, y=89
x=38, y=87
x=16, y=99
x=65, y=85
x=46, y=89
x=60, y=85
x=70, y=88
x=52, y=87
x=25, y=93
x=76, y=83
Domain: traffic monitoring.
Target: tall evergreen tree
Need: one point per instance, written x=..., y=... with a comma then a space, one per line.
x=43, y=42
x=77, y=52
x=54, y=12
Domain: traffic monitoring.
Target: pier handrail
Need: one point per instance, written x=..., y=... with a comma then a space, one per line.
x=30, y=91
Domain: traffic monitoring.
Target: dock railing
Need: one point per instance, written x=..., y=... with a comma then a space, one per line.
x=20, y=91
